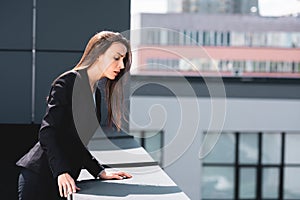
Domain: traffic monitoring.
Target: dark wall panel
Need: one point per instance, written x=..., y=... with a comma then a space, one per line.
x=62, y=31
x=15, y=87
x=16, y=24
x=68, y=24
x=50, y=65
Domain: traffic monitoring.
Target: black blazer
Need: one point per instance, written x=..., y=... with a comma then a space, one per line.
x=70, y=121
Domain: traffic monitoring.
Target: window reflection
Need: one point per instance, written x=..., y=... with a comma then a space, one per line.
x=271, y=148
x=247, y=183
x=248, y=148
x=291, y=183
x=270, y=183
x=152, y=141
x=218, y=182
x=223, y=151
x=292, y=148
x=153, y=145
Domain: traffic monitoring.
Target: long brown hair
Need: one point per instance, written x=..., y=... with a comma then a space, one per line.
x=114, y=89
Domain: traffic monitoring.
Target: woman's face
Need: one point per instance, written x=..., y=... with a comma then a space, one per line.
x=112, y=60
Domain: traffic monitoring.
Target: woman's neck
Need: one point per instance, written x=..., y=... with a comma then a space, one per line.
x=92, y=78
x=94, y=75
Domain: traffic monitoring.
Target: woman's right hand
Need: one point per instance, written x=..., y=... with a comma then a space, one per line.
x=66, y=185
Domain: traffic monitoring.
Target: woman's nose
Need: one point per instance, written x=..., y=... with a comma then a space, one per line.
x=121, y=65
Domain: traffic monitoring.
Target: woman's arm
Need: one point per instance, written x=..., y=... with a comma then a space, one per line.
x=59, y=117
x=57, y=103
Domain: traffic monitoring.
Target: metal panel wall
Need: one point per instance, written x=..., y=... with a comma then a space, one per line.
x=15, y=56
x=62, y=30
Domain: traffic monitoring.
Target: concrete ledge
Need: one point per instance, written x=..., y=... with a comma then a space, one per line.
x=149, y=181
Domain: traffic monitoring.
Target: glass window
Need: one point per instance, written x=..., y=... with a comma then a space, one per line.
x=212, y=38
x=228, y=39
x=153, y=145
x=271, y=148
x=295, y=40
x=292, y=142
x=222, y=39
x=164, y=37
x=181, y=37
x=262, y=66
x=218, y=182
x=215, y=38
x=291, y=183
x=249, y=38
x=194, y=37
x=270, y=182
x=238, y=39
x=200, y=38
x=222, y=151
x=248, y=148
x=151, y=37
x=222, y=176
x=187, y=37
x=152, y=142
x=258, y=39
x=205, y=38
x=173, y=38
x=218, y=38
x=247, y=183
x=248, y=66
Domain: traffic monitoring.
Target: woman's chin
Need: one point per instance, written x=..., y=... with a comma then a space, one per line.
x=111, y=77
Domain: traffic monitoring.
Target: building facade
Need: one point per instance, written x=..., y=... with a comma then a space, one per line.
x=235, y=45
x=221, y=6
x=257, y=61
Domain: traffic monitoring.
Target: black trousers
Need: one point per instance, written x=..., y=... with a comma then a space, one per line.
x=35, y=186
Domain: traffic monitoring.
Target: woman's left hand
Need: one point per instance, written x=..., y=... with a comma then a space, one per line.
x=114, y=175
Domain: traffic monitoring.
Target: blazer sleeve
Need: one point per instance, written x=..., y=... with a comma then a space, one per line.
x=59, y=106
x=48, y=135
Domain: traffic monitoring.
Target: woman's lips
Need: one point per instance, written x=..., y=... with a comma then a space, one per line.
x=116, y=72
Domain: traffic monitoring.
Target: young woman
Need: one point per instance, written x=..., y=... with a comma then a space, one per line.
x=49, y=170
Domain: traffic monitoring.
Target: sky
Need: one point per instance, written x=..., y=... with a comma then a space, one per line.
x=152, y=6
x=266, y=7
x=278, y=7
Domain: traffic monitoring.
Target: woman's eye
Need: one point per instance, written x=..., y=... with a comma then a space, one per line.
x=117, y=58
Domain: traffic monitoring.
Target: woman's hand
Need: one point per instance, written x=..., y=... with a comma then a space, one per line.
x=114, y=175
x=66, y=185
